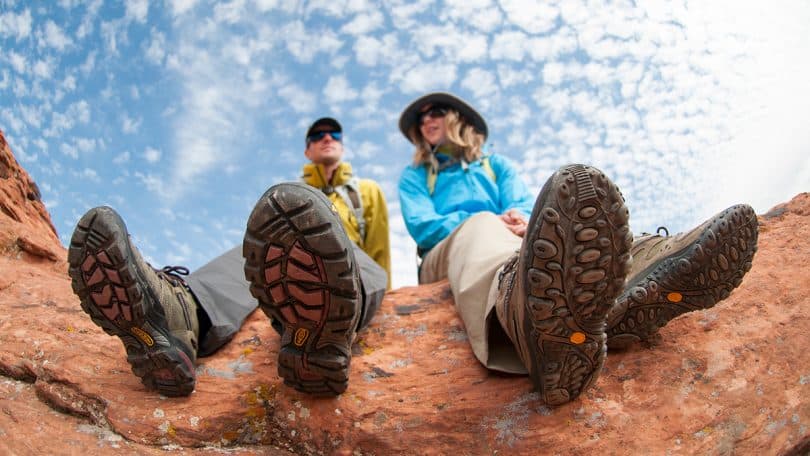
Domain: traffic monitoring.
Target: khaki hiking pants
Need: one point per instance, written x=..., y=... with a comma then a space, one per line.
x=471, y=258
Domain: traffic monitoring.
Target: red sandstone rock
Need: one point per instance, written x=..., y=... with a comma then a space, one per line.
x=25, y=225
x=731, y=379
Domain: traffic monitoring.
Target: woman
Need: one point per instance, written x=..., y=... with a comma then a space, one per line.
x=551, y=269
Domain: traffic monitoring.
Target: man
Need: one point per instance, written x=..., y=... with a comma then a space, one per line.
x=317, y=286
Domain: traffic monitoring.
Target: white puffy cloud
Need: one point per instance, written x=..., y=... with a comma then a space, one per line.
x=156, y=50
x=425, y=77
x=230, y=12
x=480, y=82
x=533, y=17
x=449, y=43
x=484, y=15
x=402, y=12
x=297, y=98
x=371, y=51
x=54, y=37
x=130, y=125
x=305, y=43
x=151, y=155
x=364, y=22
x=121, y=158
x=18, y=62
x=338, y=90
x=137, y=9
x=43, y=68
x=15, y=25
x=179, y=7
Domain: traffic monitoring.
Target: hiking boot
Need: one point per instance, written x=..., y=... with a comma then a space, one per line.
x=672, y=275
x=554, y=295
x=152, y=311
x=301, y=268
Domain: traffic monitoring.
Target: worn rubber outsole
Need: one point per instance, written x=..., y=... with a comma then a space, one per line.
x=113, y=291
x=698, y=276
x=574, y=262
x=301, y=267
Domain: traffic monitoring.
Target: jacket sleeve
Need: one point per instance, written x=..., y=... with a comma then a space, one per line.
x=513, y=193
x=426, y=226
x=377, y=244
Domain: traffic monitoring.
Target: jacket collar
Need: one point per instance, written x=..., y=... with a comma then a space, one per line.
x=315, y=175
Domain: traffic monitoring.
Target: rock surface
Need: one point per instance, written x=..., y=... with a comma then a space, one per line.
x=734, y=379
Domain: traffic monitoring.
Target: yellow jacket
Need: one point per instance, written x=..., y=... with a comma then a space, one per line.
x=375, y=212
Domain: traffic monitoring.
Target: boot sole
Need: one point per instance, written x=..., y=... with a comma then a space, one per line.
x=113, y=291
x=574, y=262
x=697, y=277
x=301, y=268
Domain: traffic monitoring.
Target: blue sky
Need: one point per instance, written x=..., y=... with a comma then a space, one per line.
x=180, y=113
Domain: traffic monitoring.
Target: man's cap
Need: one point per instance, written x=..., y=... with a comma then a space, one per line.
x=410, y=116
x=328, y=121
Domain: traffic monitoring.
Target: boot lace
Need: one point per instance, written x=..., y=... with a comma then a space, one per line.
x=657, y=231
x=509, y=266
x=173, y=274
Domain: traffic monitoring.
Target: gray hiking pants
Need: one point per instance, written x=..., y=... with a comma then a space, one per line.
x=224, y=295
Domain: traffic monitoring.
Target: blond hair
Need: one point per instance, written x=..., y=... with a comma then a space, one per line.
x=461, y=136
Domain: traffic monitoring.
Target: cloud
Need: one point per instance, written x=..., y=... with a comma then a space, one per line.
x=88, y=174
x=533, y=17
x=450, y=43
x=425, y=77
x=402, y=12
x=18, y=62
x=303, y=47
x=231, y=12
x=480, y=82
x=137, y=10
x=130, y=125
x=337, y=90
x=370, y=51
x=121, y=158
x=364, y=23
x=151, y=155
x=69, y=150
x=16, y=25
x=76, y=112
x=54, y=37
x=156, y=52
x=43, y=68
x=481, y=14
x=180, y=7
x=152, y=183
x=297, y=98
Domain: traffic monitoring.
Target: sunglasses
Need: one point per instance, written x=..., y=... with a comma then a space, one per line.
x=319, y=135
x=435, y=112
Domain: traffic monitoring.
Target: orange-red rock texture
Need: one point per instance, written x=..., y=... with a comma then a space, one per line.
x=734, y=379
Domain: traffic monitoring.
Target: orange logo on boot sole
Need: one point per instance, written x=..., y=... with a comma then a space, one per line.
x=577, y=338
x=143, y=336
x=301, y=336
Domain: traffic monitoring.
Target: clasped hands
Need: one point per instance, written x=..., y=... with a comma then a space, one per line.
x=514, y=221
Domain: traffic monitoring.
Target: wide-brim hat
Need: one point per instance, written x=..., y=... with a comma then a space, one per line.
x=328, y=121
x=410, y=116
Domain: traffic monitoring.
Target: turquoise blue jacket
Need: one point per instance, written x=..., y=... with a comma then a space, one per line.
x=460, y=192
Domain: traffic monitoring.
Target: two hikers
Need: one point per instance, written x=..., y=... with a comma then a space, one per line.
x=544, y=285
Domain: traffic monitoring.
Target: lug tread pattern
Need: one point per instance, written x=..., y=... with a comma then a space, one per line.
x=301, y=267
x=702, y=274
x=574, y=263
x=114, y=294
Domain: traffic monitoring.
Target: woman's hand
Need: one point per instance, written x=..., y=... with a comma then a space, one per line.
x=514, y=221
